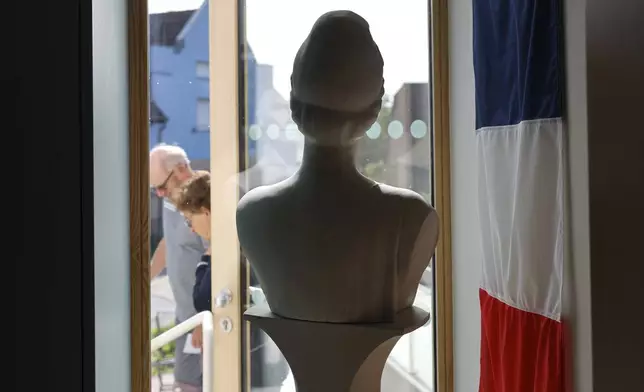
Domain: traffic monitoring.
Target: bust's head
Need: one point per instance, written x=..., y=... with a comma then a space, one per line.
x=337, y=80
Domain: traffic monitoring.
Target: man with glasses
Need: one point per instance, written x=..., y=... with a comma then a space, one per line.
x=178, y=252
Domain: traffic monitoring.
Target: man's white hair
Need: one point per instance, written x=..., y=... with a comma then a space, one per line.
x=171, y=155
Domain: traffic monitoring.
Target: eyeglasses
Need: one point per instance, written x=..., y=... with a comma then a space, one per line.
x=164, y=185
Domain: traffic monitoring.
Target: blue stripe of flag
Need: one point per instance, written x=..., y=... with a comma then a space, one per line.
x=517, y=61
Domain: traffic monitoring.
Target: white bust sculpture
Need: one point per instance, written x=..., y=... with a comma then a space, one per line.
x=329, y=244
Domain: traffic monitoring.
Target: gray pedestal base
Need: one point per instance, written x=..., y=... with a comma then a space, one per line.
x=326, y=357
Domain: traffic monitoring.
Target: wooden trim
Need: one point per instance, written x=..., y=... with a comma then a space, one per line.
x=245, y=164
x=224, y=175
x=137, y=23
x=442, y=172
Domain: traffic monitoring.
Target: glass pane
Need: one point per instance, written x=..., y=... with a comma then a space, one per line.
x=396, y=150
x=179, y=116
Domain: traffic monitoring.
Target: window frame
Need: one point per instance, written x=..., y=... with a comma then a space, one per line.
x=138, y=57
x=200, y=127
x=138, y=150
x=202, y=76
x=443, y=315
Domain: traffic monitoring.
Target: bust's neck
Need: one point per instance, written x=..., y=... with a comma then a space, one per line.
x=336, y=159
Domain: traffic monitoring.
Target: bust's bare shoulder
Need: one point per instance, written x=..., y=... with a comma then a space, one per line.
x=252, y=216
x=257, y=206
x=412, y=203
x=420, y=219
x=260, y=197
x=254, y=198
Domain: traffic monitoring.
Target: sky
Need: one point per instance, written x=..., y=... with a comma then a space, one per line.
x=275, y=30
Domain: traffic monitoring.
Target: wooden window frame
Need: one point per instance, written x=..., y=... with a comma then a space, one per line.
x=442, y=186
x=139, y=149
x=139, y=194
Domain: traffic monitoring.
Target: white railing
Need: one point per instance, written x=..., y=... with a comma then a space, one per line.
x=204, y=319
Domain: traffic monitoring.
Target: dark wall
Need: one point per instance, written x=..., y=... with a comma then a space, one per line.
x=615, y=98
x=54, y=282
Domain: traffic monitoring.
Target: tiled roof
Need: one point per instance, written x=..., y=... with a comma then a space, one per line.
x=165, y=27
x=156, y=114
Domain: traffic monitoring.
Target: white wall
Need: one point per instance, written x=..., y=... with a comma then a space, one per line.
x=466, y=241
x=111, y=201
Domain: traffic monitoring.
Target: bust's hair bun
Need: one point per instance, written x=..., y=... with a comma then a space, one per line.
x=339, y=66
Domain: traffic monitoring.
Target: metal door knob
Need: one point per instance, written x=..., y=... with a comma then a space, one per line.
x=224, y=297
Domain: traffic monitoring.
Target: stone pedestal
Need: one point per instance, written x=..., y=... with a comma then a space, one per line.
x=327, y=357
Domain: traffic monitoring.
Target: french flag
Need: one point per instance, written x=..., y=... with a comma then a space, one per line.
x=521, y=193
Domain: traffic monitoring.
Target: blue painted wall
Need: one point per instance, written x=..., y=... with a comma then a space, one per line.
x=175, y=87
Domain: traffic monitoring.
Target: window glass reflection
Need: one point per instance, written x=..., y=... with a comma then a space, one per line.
x=396, y=150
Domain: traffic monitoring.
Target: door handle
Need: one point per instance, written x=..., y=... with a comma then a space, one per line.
x=224, y=297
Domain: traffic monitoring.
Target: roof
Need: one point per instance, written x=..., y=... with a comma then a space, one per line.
x=169, y=27
x=411, y=102
x=165, y=27
x=156, y=114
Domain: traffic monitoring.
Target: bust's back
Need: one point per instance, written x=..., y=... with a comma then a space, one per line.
x=351, y=251
x=328, y=244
